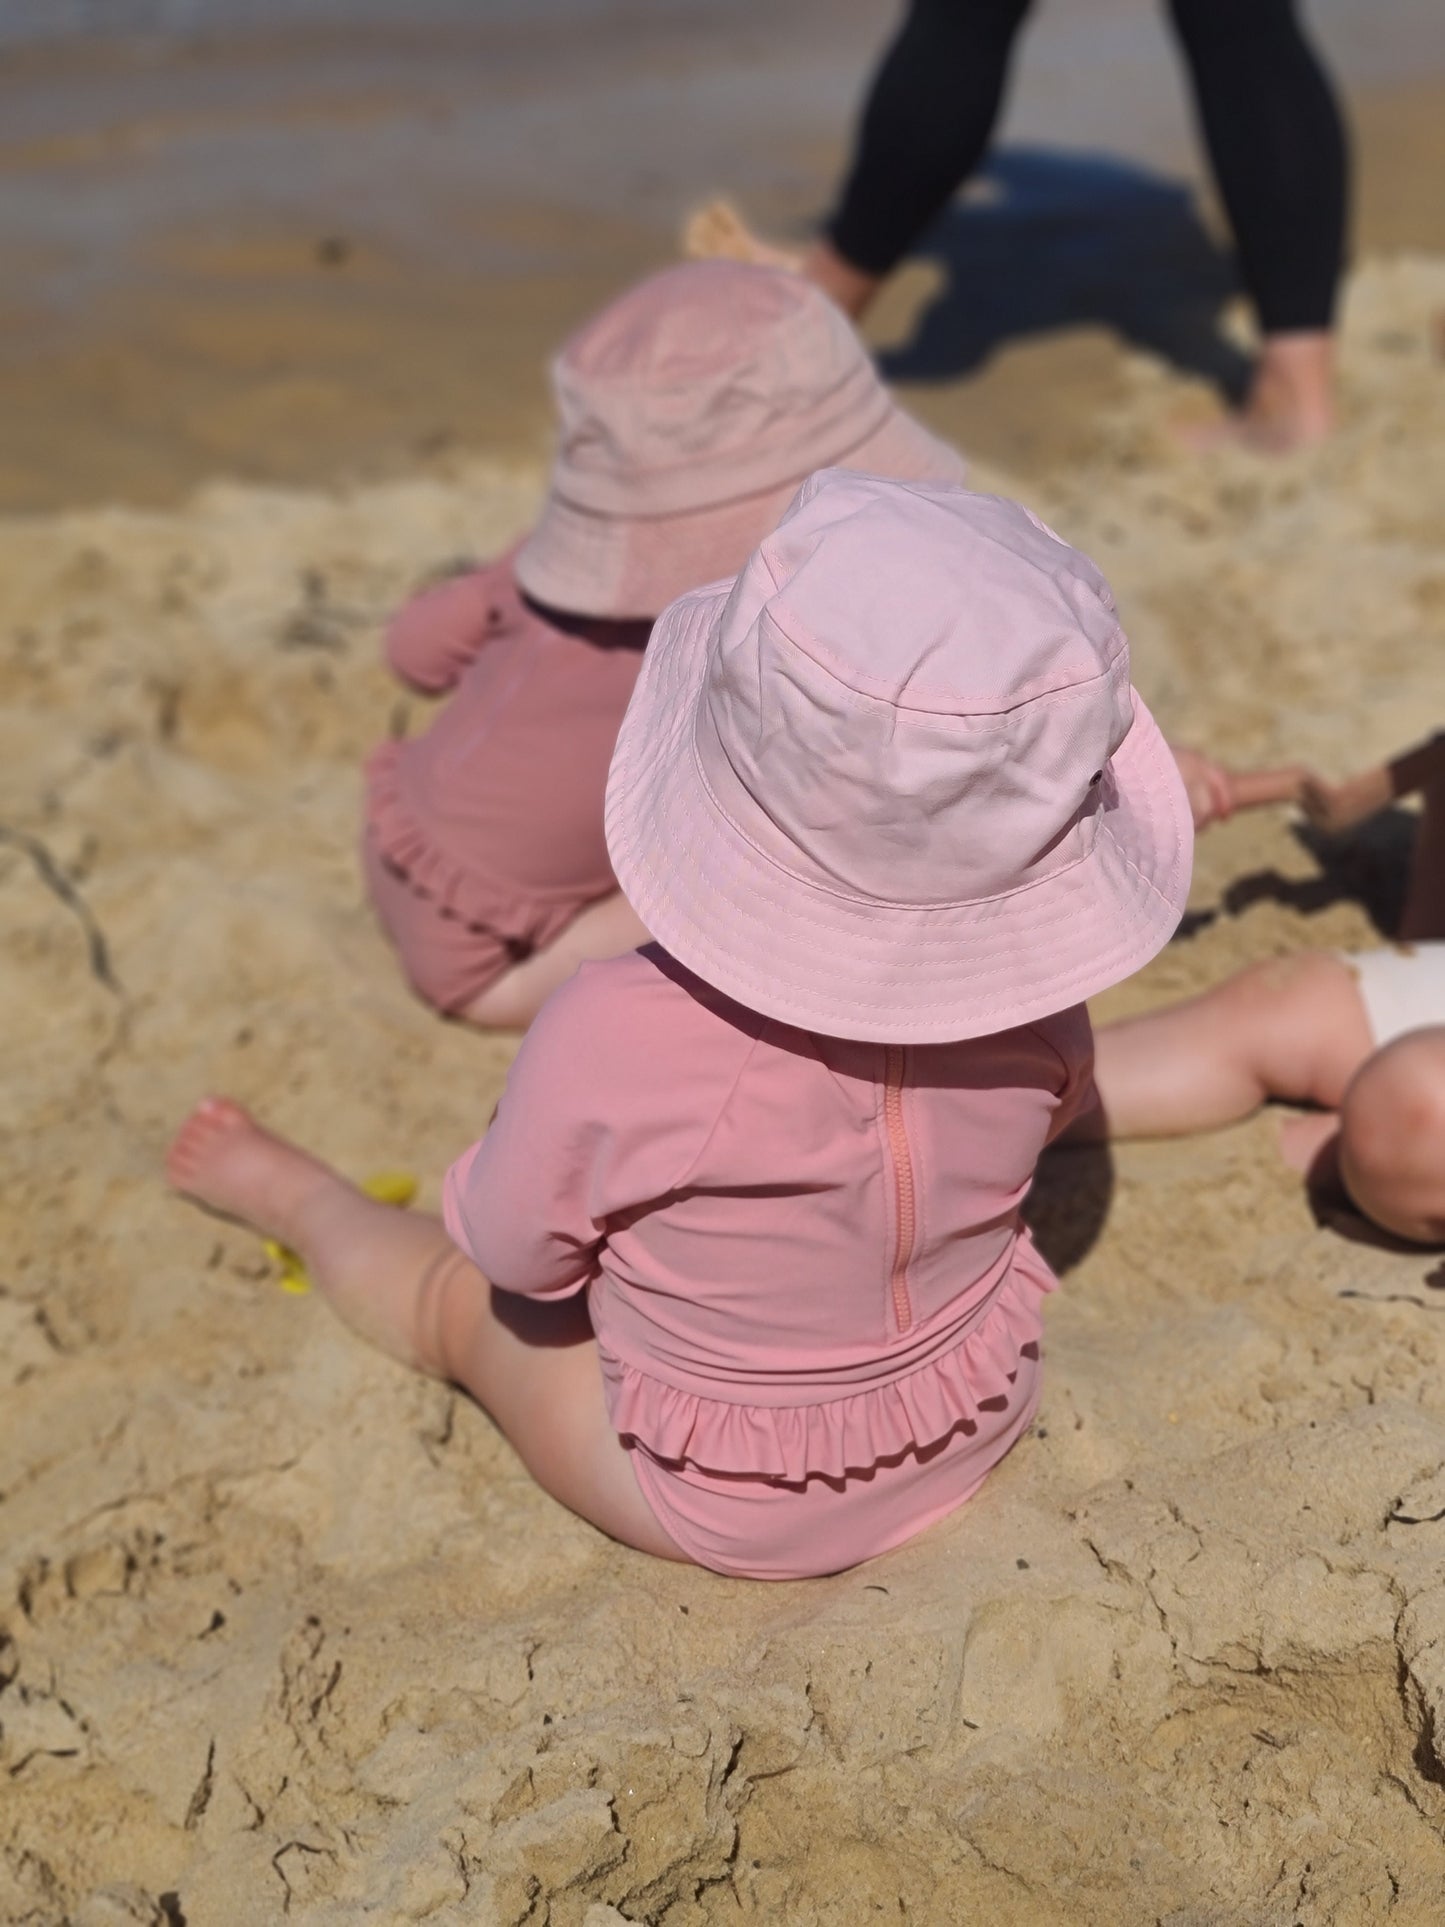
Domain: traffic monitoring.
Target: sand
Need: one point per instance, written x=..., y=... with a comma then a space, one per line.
x=287, y=1633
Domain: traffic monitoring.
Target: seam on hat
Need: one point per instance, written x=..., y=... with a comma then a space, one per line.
x=989, y=906
x=846, y=896
x=817, y=652
x=1107, y=960
x=1116, y=960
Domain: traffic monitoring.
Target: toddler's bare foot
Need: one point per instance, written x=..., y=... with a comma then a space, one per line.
x=223, y=1159
x=384, y=1272
x=1301, y=1139
x=717, y=232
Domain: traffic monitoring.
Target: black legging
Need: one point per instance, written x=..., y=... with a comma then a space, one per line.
x=1273, y=130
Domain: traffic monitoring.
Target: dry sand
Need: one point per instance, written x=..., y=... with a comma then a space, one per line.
x=285, y=1632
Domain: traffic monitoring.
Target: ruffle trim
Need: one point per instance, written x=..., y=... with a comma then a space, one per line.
x=843, y=1435
x=407, y=842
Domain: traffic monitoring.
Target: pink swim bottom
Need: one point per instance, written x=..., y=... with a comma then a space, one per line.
x=448, y=962
x=754, y=1528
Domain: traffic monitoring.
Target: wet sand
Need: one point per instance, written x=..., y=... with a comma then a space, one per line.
x=315, y=255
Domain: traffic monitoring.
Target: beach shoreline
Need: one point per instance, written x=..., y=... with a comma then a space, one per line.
x=317, y=256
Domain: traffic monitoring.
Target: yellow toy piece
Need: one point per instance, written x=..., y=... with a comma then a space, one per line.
x=387, y=1187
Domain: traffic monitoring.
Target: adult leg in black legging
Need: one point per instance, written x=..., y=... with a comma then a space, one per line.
x=1270, y=122
x=927, y=122
x=1277, y=144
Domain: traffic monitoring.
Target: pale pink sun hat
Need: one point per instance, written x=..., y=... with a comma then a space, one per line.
x=893, y=783
x=689, y=410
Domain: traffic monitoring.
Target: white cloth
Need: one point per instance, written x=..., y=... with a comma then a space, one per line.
x=1403, y=988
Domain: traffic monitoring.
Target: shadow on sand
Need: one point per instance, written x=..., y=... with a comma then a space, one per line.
x=1053, y=239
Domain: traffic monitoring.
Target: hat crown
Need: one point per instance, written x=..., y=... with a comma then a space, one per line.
x=707, y=382
x=913, y=694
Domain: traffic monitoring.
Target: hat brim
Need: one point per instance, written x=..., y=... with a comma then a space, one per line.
x=627, y=567
x=808, y=956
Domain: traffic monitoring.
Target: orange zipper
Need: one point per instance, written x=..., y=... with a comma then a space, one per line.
x=895, y=1063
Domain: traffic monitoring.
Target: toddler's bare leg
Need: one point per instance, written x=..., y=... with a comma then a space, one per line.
x=1392, y=1136
x=399, y=1282
x=606, y=928
x=1293, y=1028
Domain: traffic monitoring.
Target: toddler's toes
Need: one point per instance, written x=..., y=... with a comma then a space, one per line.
x=225, y=1160
x=201, y=1137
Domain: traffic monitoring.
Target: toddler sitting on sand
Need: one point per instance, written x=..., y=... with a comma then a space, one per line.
x=1362, y=1036
x=690, y=409
x=760, y=1296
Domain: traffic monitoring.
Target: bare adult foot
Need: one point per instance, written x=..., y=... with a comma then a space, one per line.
x=1291, y=402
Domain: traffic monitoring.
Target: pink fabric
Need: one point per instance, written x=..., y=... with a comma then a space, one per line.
x=484, y=835
x=434, y=636
x=447, y=960
x=768, y=1304
x=893, y=783
x=689, y=410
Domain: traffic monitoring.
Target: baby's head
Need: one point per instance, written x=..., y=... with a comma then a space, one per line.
x=1392, y=1136
x=893, y=784
x=689, y=411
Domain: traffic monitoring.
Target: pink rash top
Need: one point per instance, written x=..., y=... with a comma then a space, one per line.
x=484, y=834
x=816, y=1306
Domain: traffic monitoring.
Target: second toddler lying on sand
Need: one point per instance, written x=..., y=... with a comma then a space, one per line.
x=1362, y=1036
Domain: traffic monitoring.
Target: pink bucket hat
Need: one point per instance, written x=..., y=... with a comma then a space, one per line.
x=690, y=409
x=893, y=783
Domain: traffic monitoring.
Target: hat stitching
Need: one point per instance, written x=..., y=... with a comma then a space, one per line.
x=985, y=721
x=1096, y=974
x=985, y=906
x=848, y=896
